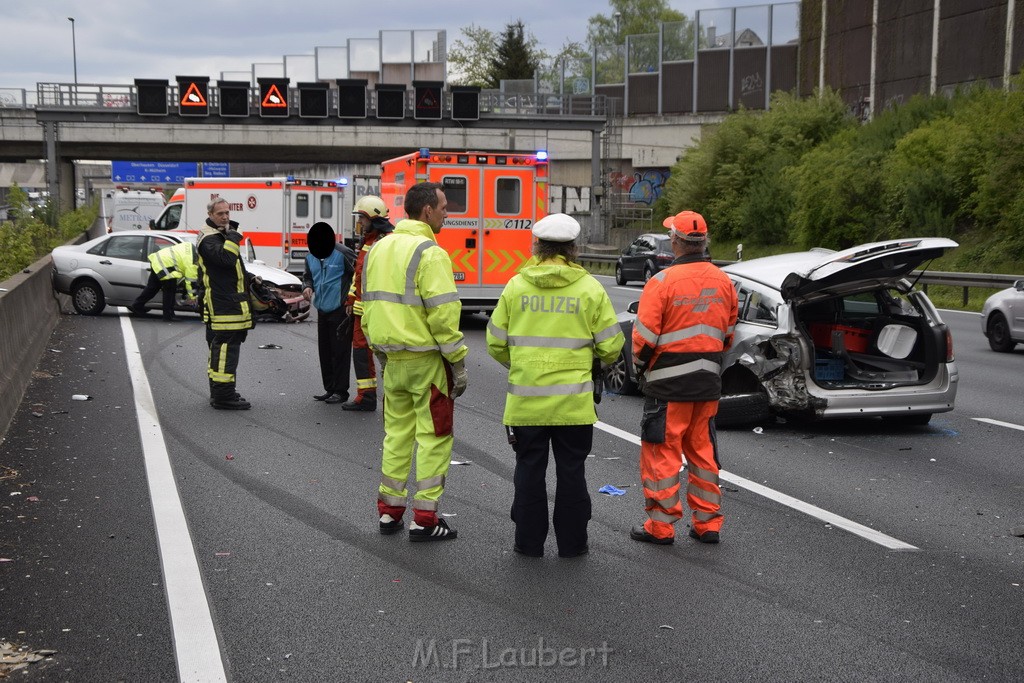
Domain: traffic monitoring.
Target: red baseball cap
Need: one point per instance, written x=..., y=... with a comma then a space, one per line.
x=689, y=225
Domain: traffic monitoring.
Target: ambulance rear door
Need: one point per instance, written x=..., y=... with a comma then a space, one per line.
x=510, y=207
x=309, y=204
x=460, y=235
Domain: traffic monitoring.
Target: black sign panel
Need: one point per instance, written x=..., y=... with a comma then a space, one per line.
x=151, y=97
x=429, y=100
x=465, y=103
x=234, y=98
x=351, y=98
x=273, y=97
x=313, y=100
x=193, y=95
x=390, y=101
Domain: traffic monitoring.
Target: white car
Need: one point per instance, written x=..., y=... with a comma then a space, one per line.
x=113, y=270
x=824, y=334
x=1002, y=318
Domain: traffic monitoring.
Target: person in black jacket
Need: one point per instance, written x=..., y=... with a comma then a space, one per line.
x=328, y=276
x=225, y=303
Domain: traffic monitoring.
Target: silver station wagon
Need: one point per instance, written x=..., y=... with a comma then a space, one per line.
x=824, y=334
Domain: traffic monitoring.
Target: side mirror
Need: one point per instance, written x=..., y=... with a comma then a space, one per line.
x=152, y=224
x=1019, y=285
x=633, y=306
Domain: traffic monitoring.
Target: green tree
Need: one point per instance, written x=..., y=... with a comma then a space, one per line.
x=515, y=58
x=470, y=57
x=607, y=33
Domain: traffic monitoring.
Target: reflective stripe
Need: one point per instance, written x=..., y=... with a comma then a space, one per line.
x=430, y=482
x=705, y=475
x=164, y=273
x=684, y=369
x=497, y=332
x=231, y=246
x=689, y=332
x=397, y=501
x=660, y=275
x=450, y=348
x=607, y=333
x=392, y=483
x=553, y=390
x=390, y=348
x=366, y=383
x=391, y=297
x=441, y=299
x=408, y=297
x=418, y=504
x=647, y=335
x=659, y=516
x=705, y=516
x=550, y=342
x=703, y=494
x=661, y=484
x=664, y=503
x=221, y=377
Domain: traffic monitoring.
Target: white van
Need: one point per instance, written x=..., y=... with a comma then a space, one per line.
x=131, y=209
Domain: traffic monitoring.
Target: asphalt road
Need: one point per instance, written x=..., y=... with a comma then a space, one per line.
x=277, y=571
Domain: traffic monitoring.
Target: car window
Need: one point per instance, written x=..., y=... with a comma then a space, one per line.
x=158, y=243
x=760, y=309
x=636, y=246
x=132, y=247
x=742, y=293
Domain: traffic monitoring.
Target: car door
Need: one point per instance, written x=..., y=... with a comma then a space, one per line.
x=121, y=263
x=635, y=258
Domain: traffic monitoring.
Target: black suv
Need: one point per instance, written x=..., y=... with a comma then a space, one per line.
x=644, y=257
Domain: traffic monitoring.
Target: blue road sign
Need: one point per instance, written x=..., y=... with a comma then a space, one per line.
x=152, y=171
x=216, y=169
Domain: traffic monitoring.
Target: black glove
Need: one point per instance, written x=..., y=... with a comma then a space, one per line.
x=234, y=236
x=597, y=374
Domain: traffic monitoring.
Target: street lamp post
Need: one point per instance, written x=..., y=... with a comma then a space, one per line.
x=74, y=55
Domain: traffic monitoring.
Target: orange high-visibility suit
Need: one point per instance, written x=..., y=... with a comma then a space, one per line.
x=684, y=324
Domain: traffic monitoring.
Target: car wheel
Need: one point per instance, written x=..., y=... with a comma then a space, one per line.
x=619, y=278
x=999, y=334
x=648, y=272
x=741, y=410
x=87, y=298
x=917, y=420
x=618, y=378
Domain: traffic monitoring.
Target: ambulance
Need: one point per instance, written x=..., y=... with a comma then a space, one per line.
x=273, y=213
x=128, y=208
x=494, y=198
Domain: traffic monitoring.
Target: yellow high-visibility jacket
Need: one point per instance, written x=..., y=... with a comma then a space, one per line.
x=176, y=262
x=410, y=304
x=552, y=320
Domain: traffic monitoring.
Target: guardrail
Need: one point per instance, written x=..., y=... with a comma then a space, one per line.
x=932, y=277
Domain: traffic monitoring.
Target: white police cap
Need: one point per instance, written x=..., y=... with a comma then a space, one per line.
x=558, y=227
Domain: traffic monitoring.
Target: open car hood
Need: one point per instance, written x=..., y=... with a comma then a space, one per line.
x=864, y=265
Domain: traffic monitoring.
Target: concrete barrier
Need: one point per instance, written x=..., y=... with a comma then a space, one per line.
x=29, y=312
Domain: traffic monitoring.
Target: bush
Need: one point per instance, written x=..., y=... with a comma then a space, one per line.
x=28, y=238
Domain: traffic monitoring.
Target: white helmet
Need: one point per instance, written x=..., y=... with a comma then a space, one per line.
x=371, y=206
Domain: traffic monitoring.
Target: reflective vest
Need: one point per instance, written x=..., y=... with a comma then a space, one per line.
x=176, y=262
x=552, y=319
x=225, y=304
x=410, y=304
x=685, y=322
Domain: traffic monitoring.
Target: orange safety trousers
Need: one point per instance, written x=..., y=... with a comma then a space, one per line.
x=670, y=430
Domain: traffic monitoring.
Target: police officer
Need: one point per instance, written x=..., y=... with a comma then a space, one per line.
x=411, y=316
x=684, y=324
x=225, y=305
x=551, y=321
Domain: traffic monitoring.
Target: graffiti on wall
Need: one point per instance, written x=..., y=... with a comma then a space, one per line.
x=643, y=187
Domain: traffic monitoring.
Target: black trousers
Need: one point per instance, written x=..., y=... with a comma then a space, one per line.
x=570, y=445
x=225, y=348
x=334, y=342
x=152, y=286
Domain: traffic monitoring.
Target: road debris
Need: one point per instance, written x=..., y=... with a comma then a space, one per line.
x=81, y=397
x=14, y=658
x=462, y=462
x=610, y=490
x=270, y=346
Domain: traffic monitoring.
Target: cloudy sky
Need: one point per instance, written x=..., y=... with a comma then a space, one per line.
x=117, y=41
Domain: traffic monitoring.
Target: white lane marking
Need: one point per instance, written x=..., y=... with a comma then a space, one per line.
x=998, y=423
x=800, y=506
x=196, y=649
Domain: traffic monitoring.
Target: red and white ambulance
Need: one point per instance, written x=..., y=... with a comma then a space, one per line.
x=273, y=213
x=494, y=198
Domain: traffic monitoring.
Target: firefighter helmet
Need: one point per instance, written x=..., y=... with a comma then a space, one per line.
x=371, y=206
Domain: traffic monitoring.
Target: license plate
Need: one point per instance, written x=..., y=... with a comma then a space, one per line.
x=460, y=277
x=298, y=254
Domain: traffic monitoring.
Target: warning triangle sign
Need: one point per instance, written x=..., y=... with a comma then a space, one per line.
x=193, y=97
x=274, y=98
x=428, y=98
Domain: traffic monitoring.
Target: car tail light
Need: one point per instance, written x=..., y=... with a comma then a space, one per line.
x=663, y=258
x=949, y=346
